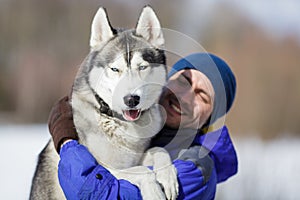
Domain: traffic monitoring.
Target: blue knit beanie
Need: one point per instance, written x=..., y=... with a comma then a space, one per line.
x=219, y=74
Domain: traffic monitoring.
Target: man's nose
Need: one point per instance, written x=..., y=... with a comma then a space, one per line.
x=186, y=96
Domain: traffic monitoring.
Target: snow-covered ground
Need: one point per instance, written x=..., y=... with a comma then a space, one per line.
x=266, y=170
x=19, y=148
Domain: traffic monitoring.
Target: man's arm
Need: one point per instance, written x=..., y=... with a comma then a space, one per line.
x=81, y=177
x=199, y=155
x=196, y=174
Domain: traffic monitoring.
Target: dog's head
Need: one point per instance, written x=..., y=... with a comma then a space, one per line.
x=127, y=68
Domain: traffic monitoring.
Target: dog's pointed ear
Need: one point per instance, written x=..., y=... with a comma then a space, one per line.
x=148, y=27
x=101, y=30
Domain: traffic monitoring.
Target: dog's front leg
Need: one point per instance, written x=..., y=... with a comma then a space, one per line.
x=166, y=173
x=144, y=179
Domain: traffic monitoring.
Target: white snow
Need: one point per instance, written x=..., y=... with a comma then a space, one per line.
x=267, y=170
x=19, y=148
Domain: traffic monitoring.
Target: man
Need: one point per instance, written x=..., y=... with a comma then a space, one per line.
x=200, y=90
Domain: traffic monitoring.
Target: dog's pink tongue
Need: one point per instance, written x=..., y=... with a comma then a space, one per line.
x=131, y=115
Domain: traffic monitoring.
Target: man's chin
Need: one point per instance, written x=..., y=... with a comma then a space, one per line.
x=172, y=124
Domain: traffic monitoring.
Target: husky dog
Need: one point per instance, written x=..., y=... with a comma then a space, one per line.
x=114, y=102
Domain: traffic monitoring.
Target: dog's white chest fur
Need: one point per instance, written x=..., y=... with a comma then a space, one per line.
x=114, y=143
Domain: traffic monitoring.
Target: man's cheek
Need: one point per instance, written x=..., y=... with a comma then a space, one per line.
x=198, y=115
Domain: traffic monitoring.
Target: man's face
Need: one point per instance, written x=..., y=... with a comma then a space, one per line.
x=187, y=99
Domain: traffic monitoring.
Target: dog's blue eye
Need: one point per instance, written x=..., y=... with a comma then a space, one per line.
x=143, y=67
x=114, y=69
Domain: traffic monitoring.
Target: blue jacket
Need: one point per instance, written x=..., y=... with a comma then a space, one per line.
x=81, y=177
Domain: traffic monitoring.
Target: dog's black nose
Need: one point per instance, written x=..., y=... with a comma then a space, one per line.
x=131, y=100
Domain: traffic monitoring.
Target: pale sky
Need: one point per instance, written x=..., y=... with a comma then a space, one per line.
x=278, y=17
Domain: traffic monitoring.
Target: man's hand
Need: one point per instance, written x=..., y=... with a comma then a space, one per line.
x=60, y=123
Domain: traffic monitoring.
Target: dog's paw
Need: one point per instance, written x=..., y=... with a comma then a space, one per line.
x=167, y=177
x=144, y=179
x=151, y=189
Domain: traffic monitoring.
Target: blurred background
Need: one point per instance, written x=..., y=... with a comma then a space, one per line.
x=42, y=44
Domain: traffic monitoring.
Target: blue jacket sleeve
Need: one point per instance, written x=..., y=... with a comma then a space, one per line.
x=193, y=183
x=81, y=177
x=221, y=150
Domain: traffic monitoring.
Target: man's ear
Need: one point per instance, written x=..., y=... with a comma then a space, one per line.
x=101, y=30
x=149, y=28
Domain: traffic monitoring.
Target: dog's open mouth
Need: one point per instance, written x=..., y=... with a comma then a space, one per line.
x=132, y=114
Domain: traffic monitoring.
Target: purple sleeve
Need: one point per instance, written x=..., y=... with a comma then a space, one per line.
x=81, y=177
x=193, y=183
x=221, y=150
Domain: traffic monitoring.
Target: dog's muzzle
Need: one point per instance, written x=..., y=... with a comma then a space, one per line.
x=132, y=113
